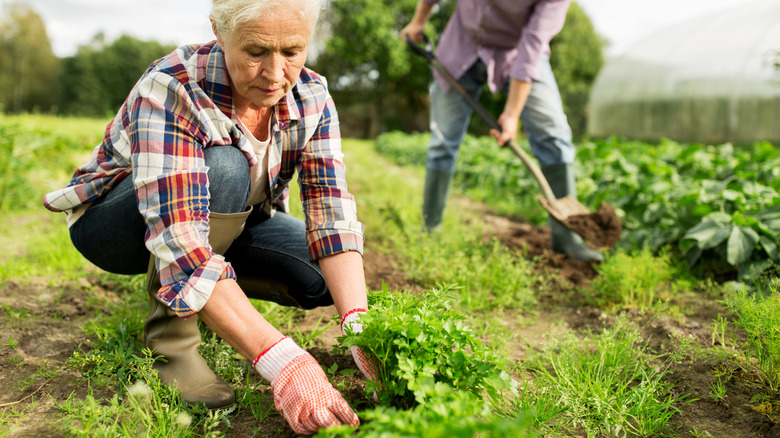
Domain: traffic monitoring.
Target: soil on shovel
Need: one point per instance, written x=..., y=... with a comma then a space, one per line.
x=601, y=229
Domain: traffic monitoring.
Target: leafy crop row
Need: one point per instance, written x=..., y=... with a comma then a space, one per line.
x=718, y=205
x=712, y=202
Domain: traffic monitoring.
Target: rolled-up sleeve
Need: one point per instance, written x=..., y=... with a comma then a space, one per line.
x=170, y=177
x=545, y=22
x=331, y=216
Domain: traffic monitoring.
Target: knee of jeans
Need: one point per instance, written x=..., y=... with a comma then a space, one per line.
x=228, y=173
x=310, y=294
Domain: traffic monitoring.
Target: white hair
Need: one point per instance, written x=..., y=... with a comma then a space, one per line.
x=228, y=14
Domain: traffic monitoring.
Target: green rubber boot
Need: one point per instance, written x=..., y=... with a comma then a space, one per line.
x=565, y=241
x=177, y=340
x=435, y=194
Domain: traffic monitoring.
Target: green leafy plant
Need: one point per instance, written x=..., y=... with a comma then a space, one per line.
x=417, y=343
x=447, y=413
x=718, y=205
x=712, y=202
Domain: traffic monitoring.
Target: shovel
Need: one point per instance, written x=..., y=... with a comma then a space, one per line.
x=602, y=228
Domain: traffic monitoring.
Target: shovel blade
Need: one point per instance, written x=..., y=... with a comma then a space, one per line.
x=563, y=208
x=601, y=229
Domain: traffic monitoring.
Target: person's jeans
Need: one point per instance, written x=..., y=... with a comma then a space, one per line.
x=111, y=232
x=543, y=119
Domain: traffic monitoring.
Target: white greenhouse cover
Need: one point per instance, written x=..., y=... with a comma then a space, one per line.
x=711, y=80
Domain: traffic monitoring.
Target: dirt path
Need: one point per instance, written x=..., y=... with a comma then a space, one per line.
x=44, y=329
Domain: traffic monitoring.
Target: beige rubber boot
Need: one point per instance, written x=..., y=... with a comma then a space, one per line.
x=177, y=340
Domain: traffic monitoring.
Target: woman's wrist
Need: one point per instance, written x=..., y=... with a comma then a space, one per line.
x=272, y=361
x=351, y=320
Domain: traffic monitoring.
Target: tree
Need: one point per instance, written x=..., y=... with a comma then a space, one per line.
x=374, y=77
x=28, y=77
x=99, y=77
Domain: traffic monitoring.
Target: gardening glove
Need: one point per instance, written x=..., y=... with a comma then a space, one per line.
x=301, y=390
x=352, y=320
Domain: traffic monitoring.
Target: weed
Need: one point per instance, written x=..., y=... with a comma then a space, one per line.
x=15, y=315
x=16, y=360
x=11, y=342
x=223, y=359
x=141, y=409
x=639, y=280
x=696, y=433
x=259, y=403
x=42, y=372
x=717, y=390
x=10, y=416
x=305, y=338
x=759, y=317
x=113, y=361
x=605, y=384
x=719, y=328
x=765, y=404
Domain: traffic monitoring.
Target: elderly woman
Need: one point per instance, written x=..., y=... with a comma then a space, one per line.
x=190, y=185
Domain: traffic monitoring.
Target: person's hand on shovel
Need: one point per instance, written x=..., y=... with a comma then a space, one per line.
x=508, y=132
x=510, y=118
x=414, y=30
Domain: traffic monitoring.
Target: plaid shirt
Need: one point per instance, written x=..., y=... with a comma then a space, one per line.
x=181, y=105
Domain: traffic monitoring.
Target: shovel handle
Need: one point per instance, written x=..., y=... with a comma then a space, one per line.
x=427, y=53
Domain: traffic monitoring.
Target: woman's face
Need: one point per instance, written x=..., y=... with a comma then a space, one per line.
x=264, y=57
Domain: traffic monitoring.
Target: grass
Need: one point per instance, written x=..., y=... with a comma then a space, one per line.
x=637, y=279
x=605, y=384
x=759, y=317
x=45, y=250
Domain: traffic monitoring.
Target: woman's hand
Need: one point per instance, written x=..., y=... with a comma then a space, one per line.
x=302, y=392
x=351, y=321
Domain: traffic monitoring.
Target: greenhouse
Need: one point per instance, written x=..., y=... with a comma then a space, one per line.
x=711, y=80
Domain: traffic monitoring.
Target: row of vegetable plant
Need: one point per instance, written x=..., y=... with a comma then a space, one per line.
x=719, y=206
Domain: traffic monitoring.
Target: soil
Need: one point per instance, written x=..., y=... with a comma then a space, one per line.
x=41, y=328
x=601, y=229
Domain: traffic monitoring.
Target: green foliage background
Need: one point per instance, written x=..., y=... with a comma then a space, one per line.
x=98, y=78
x=377, y=82
x=93, y=82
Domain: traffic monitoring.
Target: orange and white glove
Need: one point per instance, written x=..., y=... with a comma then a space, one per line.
x=302, y=392
x=352, y=320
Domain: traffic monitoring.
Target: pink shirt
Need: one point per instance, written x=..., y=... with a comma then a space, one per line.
x=509, y=36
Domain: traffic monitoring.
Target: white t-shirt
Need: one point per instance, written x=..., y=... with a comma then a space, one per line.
x=258, y=174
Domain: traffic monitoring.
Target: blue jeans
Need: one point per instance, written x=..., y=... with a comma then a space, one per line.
x=111, y=232
x=543, y=119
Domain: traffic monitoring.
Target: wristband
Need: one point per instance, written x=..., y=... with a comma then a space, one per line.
x=272, y=361
x=352, y=319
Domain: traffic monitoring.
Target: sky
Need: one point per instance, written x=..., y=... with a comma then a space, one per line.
x=71, y=23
